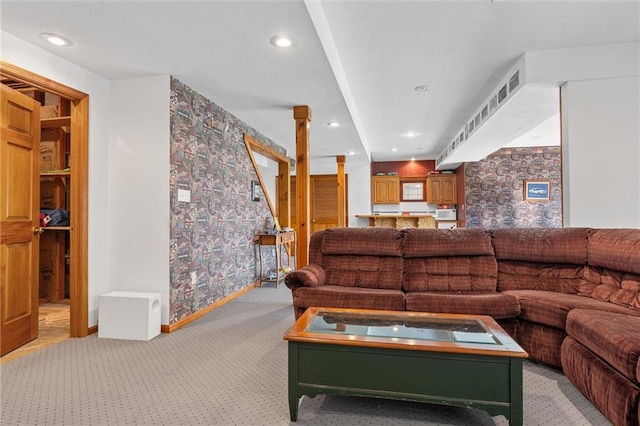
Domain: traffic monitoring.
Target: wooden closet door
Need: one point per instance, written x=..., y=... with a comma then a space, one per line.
x=324, y=202
x=19, y=218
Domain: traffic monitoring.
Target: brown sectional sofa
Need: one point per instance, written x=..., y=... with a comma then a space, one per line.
x=569, y=296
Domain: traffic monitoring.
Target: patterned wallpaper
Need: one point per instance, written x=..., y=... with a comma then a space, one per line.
x=494, y=189
x=211, y=249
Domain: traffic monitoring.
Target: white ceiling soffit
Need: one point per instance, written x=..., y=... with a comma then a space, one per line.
x=532, y=105
x=316, y=12
x=546, y=133
x=528, y=95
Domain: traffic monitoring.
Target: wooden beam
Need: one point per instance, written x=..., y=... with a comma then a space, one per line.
x=302, y=115
x=283, y=194
x=340, y=159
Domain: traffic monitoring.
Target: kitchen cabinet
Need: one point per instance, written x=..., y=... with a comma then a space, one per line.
x=385, y=189
x=441, y=189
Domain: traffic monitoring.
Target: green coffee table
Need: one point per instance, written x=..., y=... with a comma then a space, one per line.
x=460, y=360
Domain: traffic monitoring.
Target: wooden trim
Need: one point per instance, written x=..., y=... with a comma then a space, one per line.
x=342, y=201
x=79, y=244
x=93, y=329
x=249, y=146
x=265, y=150
x=79, y=238
x=282, y=209
x=421, y=180
x=169, y=328
x=10, y=71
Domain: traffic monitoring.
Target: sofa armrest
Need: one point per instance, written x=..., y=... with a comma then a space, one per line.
x=307, y=276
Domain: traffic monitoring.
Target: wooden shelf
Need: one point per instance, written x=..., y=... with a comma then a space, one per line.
x=55, y=122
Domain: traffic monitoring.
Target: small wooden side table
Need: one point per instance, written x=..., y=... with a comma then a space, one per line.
x=278, y=241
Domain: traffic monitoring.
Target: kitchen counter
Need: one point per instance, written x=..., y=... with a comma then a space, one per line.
x=400, y=220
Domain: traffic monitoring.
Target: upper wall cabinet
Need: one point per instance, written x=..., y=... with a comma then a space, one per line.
x=441, y=189
x=385, y=189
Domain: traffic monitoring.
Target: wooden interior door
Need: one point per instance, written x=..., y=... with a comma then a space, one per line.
x=19, y=218
x=324, y=201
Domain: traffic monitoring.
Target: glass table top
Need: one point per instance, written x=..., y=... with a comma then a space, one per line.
x=402, y=327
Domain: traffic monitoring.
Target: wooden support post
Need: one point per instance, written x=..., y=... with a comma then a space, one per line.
x=340, y=159
x=302, y=115
x=284, y=202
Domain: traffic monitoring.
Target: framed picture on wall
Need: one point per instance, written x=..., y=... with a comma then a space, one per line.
x=537, y=190
x=256, y=190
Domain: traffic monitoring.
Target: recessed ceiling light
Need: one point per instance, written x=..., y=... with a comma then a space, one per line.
x=413, y=158
x=56, y=39
x=421, y=88
x=351, y=152
x=333, y=124
x=394, y=149
x=410, y=133
x=281, y=41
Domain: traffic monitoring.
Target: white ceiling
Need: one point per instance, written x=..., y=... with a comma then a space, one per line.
x=355, y=62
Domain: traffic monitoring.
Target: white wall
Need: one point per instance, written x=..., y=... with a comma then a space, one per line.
x=600, y=130
x=139, y=209
x=39, y=61
x=601, y=152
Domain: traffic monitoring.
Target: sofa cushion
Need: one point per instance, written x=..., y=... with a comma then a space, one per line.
x=362, y=241
x=613, y=337
x=442, y=243
x=617, y=397
x=332, y=296
x=616, y=249
x=551, y=308
x=546, y=245
x=496, y=305
x=525, y=275
x=454, y=273
x=621, y=288
x=541, y=342
x=363, y=271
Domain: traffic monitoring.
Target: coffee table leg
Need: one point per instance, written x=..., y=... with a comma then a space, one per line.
x=517, y=414
x=294, y=398
x=293, y=407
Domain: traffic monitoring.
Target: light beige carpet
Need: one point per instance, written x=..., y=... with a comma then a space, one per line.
x=229, y=368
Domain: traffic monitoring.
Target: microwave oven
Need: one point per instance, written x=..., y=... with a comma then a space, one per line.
x=446, y=214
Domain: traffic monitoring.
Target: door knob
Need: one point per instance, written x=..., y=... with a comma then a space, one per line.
x=37, y=230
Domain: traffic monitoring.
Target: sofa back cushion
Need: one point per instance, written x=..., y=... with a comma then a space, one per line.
x=362, y=257
x=545, y=245
x=613, y=274
x=363, y=271
x=315, y=248
x=448, y=260
x=549, y=259
x=362, y=241
x=446, y=242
